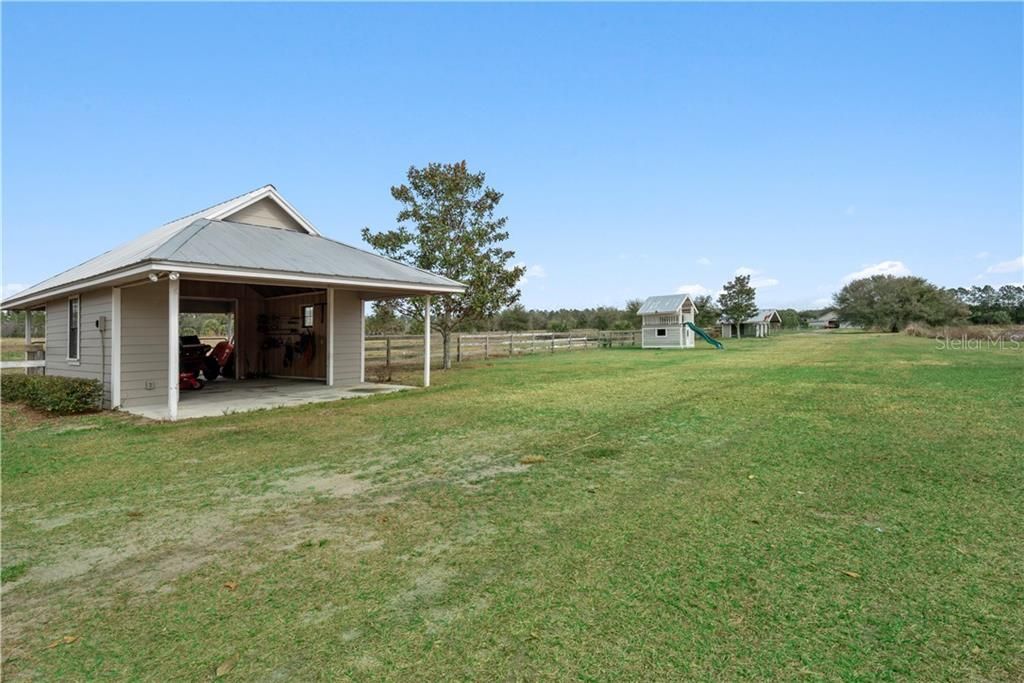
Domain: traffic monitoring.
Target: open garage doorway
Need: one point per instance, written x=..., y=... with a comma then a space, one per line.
x=206, y=327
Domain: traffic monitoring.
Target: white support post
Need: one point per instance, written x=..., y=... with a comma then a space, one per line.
x=29, y=355
x=330, y=337
x=115, y=349
x=426, y=341
x=173, y=288
x=362, y=341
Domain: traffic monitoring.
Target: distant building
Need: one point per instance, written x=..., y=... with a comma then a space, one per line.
x=761, y=324
x=829, y=320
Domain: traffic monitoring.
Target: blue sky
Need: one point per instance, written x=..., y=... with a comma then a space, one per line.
x=641, y=148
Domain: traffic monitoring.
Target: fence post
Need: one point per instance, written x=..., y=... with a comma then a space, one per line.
x=458, y=348
x=510, y=345
x=387, y=356
x=487, y=339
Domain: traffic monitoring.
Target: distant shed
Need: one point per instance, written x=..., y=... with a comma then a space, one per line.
x=761, y=324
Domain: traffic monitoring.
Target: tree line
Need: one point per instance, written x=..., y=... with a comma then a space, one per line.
x=891, y=303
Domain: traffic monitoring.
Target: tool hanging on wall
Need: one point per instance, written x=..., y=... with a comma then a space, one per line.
x=306, y=346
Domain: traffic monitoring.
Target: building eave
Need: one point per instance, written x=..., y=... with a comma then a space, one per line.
x=392, y=288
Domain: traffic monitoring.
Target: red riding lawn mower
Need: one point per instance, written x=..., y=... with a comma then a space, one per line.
x=197, y=357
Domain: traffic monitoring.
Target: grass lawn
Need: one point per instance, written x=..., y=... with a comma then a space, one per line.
x=834, y=506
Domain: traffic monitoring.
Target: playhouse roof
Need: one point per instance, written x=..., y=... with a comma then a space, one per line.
x=667, y=303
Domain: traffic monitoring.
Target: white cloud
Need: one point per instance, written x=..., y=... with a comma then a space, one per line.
x=693, y=290
x=12, y=288
x=703, y=261
x=756, y=281
x=534, y=272
x=1014, y=266
x=883, y=268
x=982, y=254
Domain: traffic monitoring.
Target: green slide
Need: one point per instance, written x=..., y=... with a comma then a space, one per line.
x=706, y=337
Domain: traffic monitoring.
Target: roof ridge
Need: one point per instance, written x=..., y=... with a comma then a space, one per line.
x=211, y=206
x=177, y=240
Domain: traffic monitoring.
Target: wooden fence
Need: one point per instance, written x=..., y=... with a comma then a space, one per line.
x=385, y=353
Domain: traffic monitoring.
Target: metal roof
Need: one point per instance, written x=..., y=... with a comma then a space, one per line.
x=763, y=315
x=194, y=239
x=255, y=247
x=668, y=303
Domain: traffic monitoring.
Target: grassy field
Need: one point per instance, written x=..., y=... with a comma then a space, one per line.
x=819, y=506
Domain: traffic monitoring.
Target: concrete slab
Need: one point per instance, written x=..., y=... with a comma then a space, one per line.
x=226, y=396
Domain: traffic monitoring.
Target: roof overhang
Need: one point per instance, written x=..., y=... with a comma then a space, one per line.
x=386, y=288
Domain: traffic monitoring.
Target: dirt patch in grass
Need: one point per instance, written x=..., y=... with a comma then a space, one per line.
x=320, y=483
x=479, y=475
x=18, y=418
x=161, y=545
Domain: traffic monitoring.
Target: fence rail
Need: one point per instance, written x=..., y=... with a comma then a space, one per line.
x=35, y=360
x=384, y=353
x=387, y=352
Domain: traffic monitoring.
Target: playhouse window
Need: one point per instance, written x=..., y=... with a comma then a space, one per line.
x=307, y=316
x=661, y=332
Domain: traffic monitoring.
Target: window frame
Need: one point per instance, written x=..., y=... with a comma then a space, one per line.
x=661, y=332
x=312, y=315
x=74, y=303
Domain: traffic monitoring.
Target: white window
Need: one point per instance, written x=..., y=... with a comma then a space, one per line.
x=74, y=327
x=307, y=316
x=661, y=332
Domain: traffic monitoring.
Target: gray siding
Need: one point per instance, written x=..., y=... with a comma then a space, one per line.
x=94, y=354
x=144, y=332
x=673, y=334
x=348, y=337
x=266, y=212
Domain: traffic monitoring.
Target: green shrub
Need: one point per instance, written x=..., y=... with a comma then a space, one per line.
x=16, y=387
x=53, y=394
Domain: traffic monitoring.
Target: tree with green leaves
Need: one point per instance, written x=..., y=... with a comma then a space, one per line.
x=738, y=301
x=707, y=312
x=790, y=319
x=514, y=319
x=632, y=311
x=890, y=303
x=447, y=225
